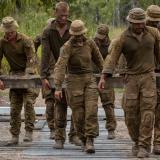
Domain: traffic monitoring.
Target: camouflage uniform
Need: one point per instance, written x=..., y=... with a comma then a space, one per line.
x=51, y=44
x=21, y=58
x=140, y=82
x=107, y=95
x=48, y=93
x=80, y=83
x=153, y=18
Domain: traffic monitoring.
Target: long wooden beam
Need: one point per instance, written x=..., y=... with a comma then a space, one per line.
x=34, y=81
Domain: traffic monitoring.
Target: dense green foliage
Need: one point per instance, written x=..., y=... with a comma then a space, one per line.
x=32, y=14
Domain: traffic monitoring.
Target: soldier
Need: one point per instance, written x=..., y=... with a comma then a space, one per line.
x=19, y=50
x=137, y=43
x=53, y=37
x=48, y=93
x=77, y=54
x=49, y=98
x=107, y=95
x=153, y=18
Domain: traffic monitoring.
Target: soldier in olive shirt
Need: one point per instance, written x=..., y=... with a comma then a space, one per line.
x=18, y=49
x=50, y=100
x=47, y=93
x=137, y=43
x=107, y=95
x=53, y=37
x=77, y=54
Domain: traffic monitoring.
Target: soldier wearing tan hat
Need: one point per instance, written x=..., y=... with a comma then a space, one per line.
x=153, y=19
x=77, y=54
x=102, y=31
x=107, y=95
x=18, y=49
x=137, y=20
x=136, y=15
x=137, y=44
x=153, y=15
x=77, y=28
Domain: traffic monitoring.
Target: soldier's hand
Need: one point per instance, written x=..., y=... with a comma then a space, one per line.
x=101, y=83
x=45, y=84
x=58, y=95
x=2, y=87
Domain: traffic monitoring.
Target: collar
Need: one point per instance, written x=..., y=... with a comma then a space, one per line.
x=105, y=43
x=19, y=37
x=53, y=25
x=131, y=34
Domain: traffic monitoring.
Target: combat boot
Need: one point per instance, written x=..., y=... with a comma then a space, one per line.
x=75, y=140
x=111, y=135
x=142, y=152
x=89, y=147
x=52, y=134
x=13, y=141
x=59, y=144
x=156, y=149
x=28, y=136
x=135, y=150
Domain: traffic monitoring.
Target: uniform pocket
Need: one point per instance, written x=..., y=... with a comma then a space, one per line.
x=130, y=101
x=149, y=97
x=75, y=98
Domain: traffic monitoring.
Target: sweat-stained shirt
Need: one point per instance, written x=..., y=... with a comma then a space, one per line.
x=51, y=44
x=20, y=54
x=139, y=54
x=78, y=60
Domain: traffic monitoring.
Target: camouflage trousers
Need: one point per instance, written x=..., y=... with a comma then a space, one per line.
x=107, y=96
x=157, y=120
x=82, y=97
x=18, y=98
x=139, y=107
x=48, y=95
x=56, y=115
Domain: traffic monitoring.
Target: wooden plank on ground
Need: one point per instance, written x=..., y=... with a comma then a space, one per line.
x=39, y=124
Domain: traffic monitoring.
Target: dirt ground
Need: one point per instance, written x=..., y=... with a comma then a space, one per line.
x=121, y=131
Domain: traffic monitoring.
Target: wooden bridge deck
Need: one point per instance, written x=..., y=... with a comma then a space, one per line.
x=42, y=148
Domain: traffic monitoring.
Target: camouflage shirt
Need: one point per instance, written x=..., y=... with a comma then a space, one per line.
x=139, y=54
x=20, y=55
x=103, y=48
x=78, y=60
